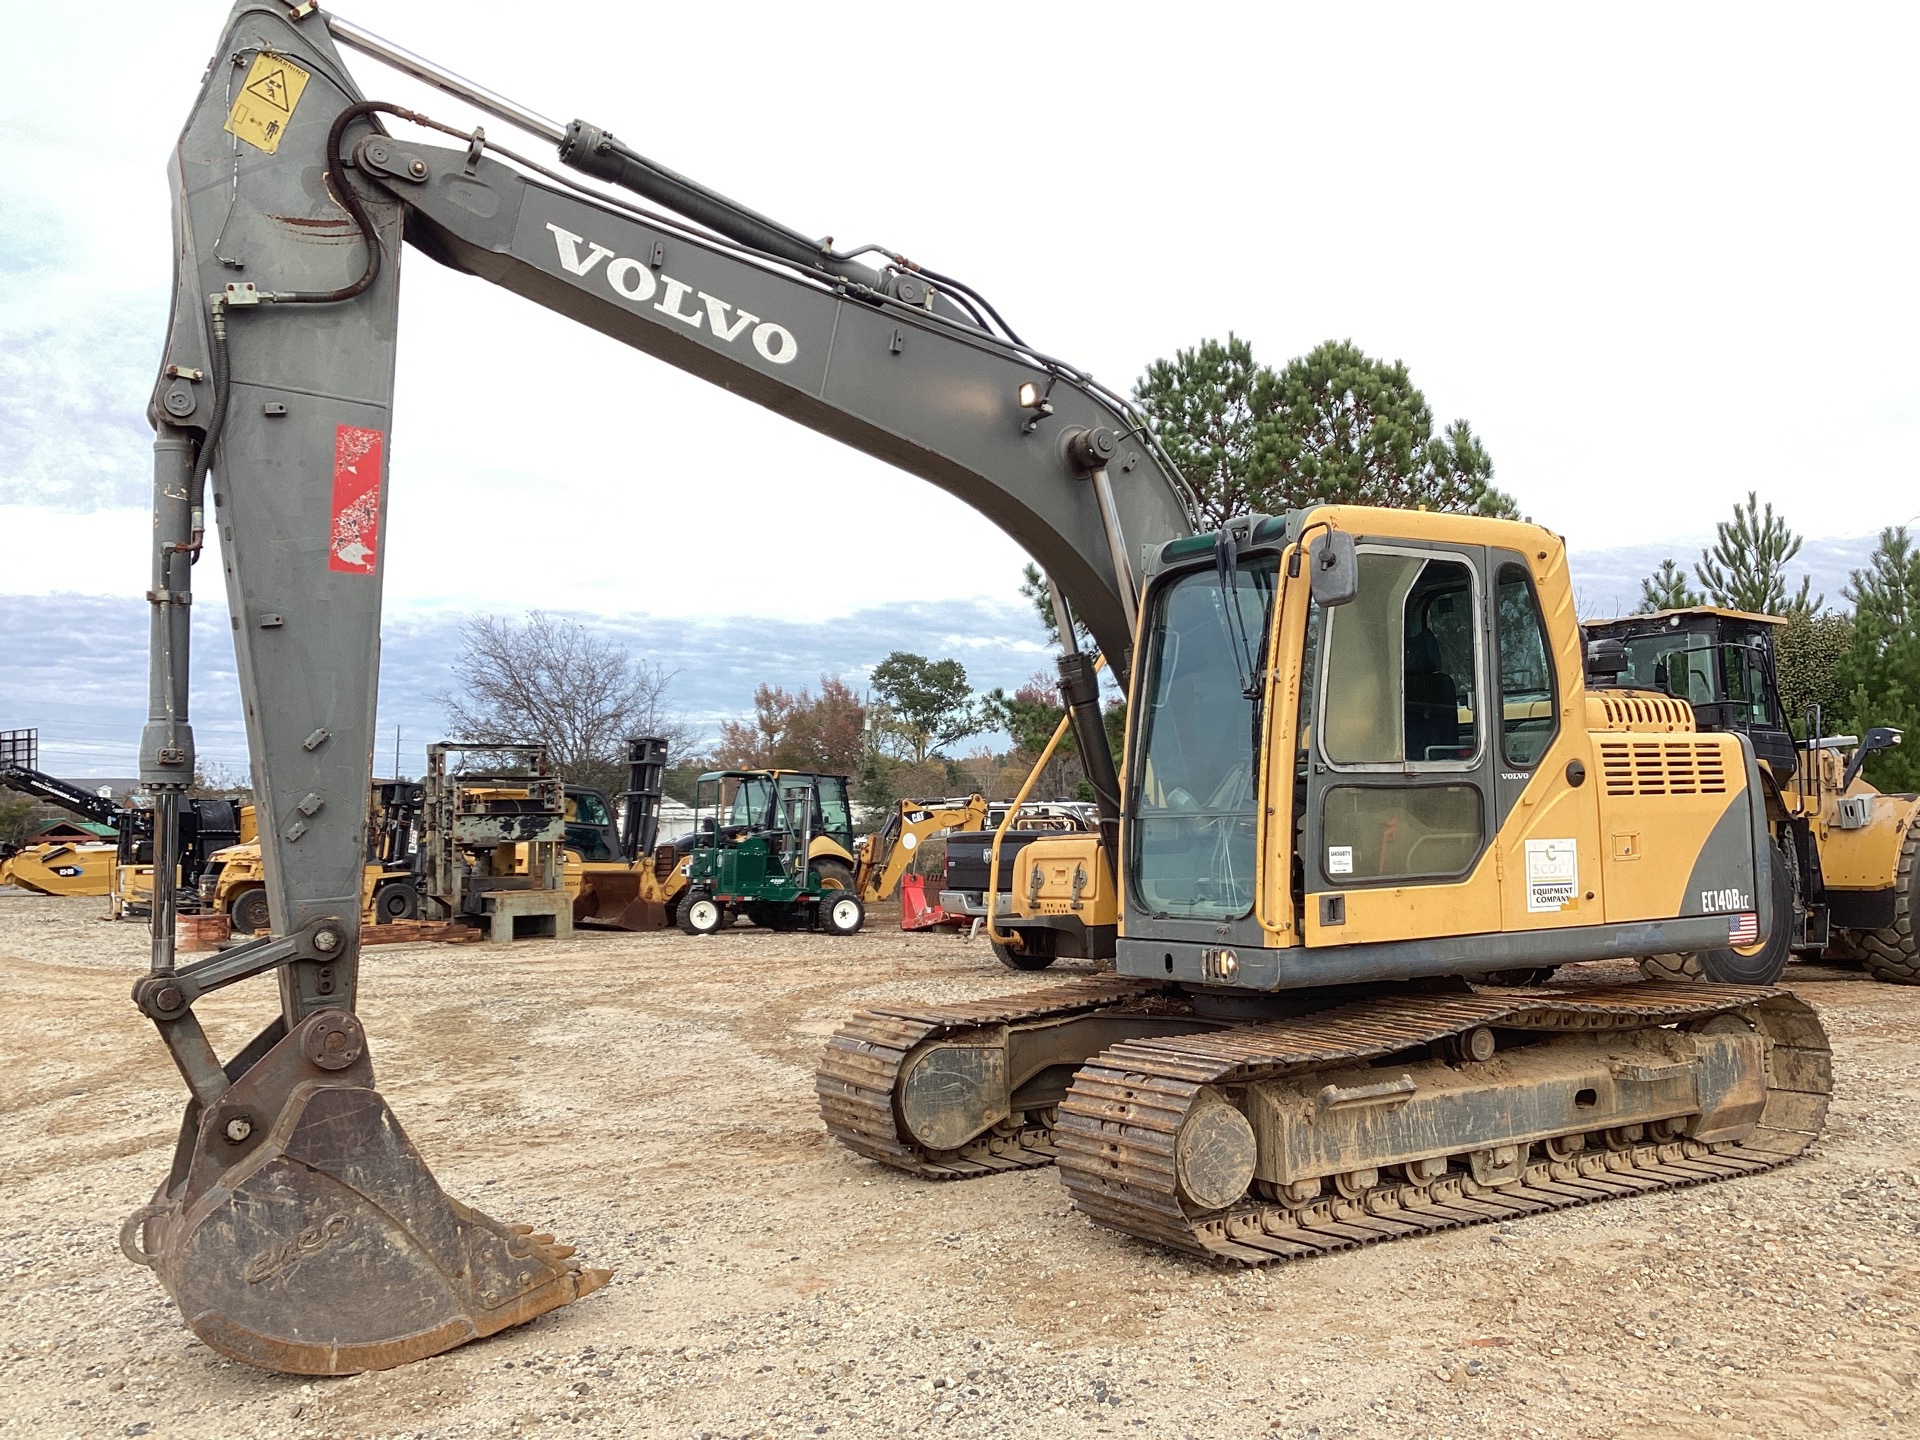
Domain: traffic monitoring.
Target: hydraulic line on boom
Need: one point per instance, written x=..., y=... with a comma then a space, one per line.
x=1357, y=764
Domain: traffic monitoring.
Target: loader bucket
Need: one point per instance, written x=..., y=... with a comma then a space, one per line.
x=612, y=898
x=301, y=1231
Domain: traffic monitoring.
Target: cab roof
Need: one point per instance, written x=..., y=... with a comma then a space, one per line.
x=1717, y=612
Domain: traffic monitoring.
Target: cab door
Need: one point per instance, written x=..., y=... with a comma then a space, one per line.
x=1546, y=785
x=1401, y=799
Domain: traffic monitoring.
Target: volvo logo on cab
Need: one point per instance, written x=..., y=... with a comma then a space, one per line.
x=631, y=280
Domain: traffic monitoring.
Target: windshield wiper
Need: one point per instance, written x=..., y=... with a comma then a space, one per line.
x=1226, y=563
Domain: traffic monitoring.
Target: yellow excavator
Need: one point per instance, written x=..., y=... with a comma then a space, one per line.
x=1372, y=792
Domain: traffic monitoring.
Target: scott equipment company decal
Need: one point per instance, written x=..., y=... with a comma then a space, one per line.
x=1553, y=874
x=265, y=103
x=355, y=539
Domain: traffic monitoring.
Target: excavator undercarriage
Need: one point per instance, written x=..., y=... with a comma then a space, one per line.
x=1373, y=1118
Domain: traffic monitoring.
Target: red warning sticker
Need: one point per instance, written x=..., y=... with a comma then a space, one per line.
x=356, y=500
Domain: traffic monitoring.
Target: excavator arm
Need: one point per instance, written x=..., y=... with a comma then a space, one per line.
x=298, y=1229
x=891, y=849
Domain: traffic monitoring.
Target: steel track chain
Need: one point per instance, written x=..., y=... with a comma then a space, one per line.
x=1117, y=1127
x=856, y=1078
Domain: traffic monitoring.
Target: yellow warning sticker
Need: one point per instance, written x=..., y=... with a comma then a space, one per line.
x=265, y=103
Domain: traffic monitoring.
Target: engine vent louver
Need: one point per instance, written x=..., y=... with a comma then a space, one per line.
x=1663, y=767
x=1646, y=712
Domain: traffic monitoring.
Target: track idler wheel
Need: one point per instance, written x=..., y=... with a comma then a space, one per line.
x=301, y=1232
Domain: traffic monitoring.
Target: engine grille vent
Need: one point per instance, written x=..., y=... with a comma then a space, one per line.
x=1646, y=712
x=1663, y=767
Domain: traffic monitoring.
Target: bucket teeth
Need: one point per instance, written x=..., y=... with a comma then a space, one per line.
x=591, y=1280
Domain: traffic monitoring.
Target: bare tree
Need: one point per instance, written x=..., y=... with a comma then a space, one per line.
x=553, y=680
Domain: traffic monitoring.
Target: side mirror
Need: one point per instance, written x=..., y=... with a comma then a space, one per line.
x=1880, y=737
x=1336, y=569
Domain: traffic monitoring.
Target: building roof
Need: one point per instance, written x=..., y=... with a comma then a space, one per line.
x=66, y=828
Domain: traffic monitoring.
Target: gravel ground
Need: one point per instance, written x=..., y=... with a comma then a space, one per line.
x=649, y=1098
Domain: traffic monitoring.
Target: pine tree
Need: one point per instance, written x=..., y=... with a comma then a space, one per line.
x=1332, y=427
x=1336, y=426
x=1667, y=589
x=1746, y=568
x=1200, y=405
x=1880, y=672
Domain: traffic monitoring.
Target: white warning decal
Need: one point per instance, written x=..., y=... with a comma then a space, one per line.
x=1339, y=860
x=1553, y=874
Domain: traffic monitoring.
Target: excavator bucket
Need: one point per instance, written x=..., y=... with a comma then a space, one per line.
x=301, y=1231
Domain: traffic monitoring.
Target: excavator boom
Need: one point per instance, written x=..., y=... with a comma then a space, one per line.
x=298, y=1229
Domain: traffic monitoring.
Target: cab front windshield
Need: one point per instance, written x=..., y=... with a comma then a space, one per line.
x=1680, y=663
x=753, y=802
x=1190, y=821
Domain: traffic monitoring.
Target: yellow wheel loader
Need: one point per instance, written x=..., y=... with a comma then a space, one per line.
x=627, y=879
x=233, y=882
x=1843, y=854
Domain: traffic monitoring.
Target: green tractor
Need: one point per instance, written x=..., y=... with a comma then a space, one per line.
x=758, y=851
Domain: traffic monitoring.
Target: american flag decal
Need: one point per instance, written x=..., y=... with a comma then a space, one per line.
x=1743, y=929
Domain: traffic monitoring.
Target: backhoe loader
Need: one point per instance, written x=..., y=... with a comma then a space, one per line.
x=1340, y=814
x=886, y=855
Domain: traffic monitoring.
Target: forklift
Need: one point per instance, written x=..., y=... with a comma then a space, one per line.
x=753, y=855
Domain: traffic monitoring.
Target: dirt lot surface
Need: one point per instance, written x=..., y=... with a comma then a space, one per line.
x=649, y=1098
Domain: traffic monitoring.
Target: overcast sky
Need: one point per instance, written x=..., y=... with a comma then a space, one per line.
x=1655, y=255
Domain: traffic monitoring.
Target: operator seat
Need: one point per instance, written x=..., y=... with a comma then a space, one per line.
x=1432, y=702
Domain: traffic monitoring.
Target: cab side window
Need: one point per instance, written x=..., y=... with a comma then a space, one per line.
x=1528, y=711
x=1401, y=666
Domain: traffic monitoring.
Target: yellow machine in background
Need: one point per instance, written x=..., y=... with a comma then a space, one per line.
x=620, y=879
x=234, y=881
x=1843, y=855
x=886, y=855
x=62, y=868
